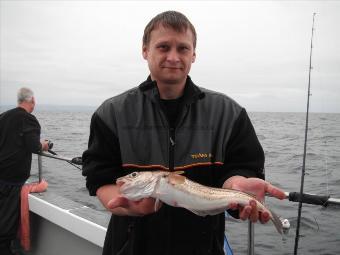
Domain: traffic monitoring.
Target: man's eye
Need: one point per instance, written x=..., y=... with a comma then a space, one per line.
x=163, y=47
x=183, y=48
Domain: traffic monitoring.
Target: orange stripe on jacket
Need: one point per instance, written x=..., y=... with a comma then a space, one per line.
x=161, y=167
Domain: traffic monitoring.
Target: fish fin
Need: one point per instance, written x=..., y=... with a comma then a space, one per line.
x=178, y=172
x=277, y=222
x=245, y=193
x=176, y=179
x=254, y=197
x=157, y=204
x=251, y=195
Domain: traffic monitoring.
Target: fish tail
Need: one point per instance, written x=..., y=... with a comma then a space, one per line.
x=277, y=222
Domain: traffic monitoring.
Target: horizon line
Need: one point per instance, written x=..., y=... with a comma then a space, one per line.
x=40, y=107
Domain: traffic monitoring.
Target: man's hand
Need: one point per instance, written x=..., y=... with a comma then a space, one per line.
x=255, y=186
x=111, y=198
x=133, y=208
x=44, y=145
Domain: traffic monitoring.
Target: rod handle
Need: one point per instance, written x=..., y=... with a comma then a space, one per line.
x=308, y=198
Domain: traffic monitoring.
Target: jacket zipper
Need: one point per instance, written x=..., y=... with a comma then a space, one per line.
x=172, y=136
x=172, y=139
x=171, y=148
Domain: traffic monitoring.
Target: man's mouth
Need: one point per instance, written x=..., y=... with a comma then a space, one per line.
x=172, y=67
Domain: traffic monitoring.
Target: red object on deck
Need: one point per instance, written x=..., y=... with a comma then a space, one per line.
x=24, y=229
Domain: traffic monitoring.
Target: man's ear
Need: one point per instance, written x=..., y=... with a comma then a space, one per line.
x=145, y=52
x=193, y=57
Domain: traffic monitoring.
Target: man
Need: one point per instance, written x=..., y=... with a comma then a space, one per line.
x=169, y=123
x=19, y=138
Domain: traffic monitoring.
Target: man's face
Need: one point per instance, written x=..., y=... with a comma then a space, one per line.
x=169, y=55
x=32, y=105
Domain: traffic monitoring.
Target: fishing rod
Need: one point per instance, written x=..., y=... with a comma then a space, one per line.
x=312, y=199
x=308, y=198
x=73, y=161
x=297, y=235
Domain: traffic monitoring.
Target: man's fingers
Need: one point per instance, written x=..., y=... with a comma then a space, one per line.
x=275, y=192
x=117, y=202
x=264, y=217
x=245, y=212
x=233, y=206
x=145, y=206
x=254, y=215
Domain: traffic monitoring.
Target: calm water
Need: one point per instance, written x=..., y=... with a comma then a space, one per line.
x=282, y=136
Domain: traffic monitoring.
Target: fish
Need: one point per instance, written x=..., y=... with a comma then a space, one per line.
x=176, y=190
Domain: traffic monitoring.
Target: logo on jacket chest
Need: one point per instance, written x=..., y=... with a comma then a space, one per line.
x=201, y=155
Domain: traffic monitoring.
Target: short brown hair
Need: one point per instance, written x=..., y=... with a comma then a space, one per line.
x=173, y=19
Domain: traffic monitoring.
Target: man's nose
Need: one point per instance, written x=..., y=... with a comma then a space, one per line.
x=173, y=56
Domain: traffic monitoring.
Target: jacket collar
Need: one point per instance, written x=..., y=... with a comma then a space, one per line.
x=192, y=93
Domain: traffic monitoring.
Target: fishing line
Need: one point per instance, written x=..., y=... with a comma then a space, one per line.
x=324, y=140
x=74, y=165
x=317, y=224
x=297, y=235
x=324, y=154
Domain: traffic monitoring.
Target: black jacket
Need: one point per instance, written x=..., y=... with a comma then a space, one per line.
x=19, y=138
x=213, y=140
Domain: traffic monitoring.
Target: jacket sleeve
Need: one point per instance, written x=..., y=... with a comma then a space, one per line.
x=102, y=160
x=31, y=134
x=244, y=154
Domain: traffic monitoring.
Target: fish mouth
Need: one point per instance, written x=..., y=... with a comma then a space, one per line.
x=120, y=182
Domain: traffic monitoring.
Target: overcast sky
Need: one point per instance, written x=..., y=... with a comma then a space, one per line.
x=257, y=52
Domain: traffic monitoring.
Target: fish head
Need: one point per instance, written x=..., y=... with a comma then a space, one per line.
x=138, y=185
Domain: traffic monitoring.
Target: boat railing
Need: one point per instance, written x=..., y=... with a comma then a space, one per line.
x=250, y=250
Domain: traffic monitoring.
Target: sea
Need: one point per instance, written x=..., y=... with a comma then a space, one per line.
x=282, y=136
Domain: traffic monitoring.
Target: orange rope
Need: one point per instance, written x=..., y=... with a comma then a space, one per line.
x=24, y=229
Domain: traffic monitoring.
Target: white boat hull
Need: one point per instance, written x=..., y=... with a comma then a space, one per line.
x=61, y=226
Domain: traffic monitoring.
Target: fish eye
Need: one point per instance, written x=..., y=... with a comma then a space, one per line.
x=134, y=174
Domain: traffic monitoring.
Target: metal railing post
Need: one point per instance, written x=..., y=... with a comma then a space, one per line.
x=39, y=167
x=250, y=238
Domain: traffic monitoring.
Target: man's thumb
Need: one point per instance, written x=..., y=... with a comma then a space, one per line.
x=117, y=202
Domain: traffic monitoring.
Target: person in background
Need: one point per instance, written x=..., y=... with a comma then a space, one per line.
x=169, y=123
x=19, y=138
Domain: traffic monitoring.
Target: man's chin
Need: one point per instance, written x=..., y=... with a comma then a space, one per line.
x=172, y=80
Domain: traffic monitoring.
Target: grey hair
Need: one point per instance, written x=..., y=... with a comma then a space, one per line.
x=25, y=95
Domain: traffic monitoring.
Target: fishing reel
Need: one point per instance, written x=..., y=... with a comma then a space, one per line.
x=50, y=144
